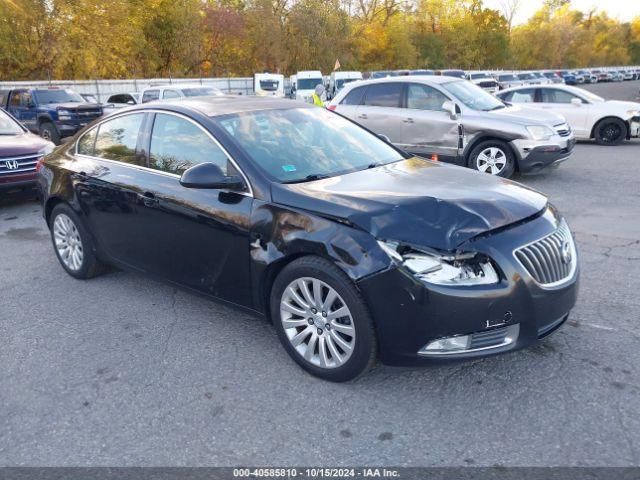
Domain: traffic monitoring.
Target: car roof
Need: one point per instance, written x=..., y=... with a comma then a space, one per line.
x=438, y=79
x=213, y=106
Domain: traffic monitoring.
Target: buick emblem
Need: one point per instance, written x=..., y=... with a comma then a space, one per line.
x=565, y=253
x=11, y=164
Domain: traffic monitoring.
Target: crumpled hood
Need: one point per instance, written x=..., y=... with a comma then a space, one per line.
x=527, y=116
x=417, y=202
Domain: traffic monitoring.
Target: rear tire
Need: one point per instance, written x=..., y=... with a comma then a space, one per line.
x=336, y=347
x=48, y=131
x=73, y=244
x=610, y=131
x=493, y=157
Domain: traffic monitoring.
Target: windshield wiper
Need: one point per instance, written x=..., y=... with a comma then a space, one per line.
x=309, y=178
x=497, y=107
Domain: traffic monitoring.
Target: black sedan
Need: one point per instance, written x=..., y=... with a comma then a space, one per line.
x=351, y=248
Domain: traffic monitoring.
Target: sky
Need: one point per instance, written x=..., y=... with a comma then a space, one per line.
x=623, y=10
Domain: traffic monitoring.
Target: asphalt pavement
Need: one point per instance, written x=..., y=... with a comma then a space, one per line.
x=125, y=371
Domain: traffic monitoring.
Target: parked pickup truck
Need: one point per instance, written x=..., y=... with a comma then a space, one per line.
x=53, y=113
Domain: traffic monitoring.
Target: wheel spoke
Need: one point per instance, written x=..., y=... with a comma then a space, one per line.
x=494, y=170
x=328, y=302
x=293, y=323
x=301, y=336
x=311, y=346
x=322, y=349
x=297, y=298
x=339, y=340
x=341, y=312
x=317, y=293
x=304, y=288
x=332, y=348
x=346, y=329
x=291, y=309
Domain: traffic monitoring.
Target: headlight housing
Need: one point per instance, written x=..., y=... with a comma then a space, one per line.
x=64, y=115
x=464, y=269
x=540, y=132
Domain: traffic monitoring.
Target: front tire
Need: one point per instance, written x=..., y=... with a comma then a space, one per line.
x=493, y=157
x=72, y=244
x=610, y=131
x=322, y=320
x=48, y=131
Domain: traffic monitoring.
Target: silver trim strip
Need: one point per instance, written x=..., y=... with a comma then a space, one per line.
x=31, y=168
x=153, y=170
x=23, y=157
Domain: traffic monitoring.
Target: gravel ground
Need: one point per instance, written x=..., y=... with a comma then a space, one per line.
x=125, y=371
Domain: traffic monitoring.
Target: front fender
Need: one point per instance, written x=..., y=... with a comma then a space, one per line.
x=281, y=234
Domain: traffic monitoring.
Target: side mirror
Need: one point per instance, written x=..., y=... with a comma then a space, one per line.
x=131, y=102
x=384, y=137
x=209, y=175
x=450, y=108
x=576, y=102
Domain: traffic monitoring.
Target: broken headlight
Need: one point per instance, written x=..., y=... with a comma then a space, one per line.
x=454, y=270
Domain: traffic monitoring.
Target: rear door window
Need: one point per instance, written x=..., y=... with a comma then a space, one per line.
x=117, y=139
x=526, y=95
x=384, y=95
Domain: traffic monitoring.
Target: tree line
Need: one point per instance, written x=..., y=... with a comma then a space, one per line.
x=87, y=39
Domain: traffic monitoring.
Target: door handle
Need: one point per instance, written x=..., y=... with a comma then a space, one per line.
x=363, y=115
x=408, y=120
x=148, y=199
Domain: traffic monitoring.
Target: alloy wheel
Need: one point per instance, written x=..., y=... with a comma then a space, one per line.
x=611, y=133
x=68, y=242
x=317, y=322
x=491, y=160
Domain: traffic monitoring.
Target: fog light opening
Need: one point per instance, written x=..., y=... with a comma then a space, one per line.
x=448, y=344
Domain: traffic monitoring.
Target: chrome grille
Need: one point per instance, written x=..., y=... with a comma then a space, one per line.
x=487, y=84
x=24, y=164
x=563, y=129
x=552, y=259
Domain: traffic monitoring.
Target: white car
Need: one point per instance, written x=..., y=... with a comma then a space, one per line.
x=609, y=122
x=484, y=80
x=164, y=92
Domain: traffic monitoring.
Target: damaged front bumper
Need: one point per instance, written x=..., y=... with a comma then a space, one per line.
x=421, y=323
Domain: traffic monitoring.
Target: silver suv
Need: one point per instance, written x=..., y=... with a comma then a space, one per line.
x=452, y=120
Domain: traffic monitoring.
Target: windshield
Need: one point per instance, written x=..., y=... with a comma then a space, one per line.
x=472, y=96
x=200, y=91
x=525, y=76
x=57, y=96
x=343, y=81
x=474, y=76
x=8, y=126
x=506, y=78
x=303, y=144
x=269, y=85
x=308, y=83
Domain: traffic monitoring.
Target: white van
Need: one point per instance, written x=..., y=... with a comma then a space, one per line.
x=268, y=84
x=305, y=85
x=339, y=80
